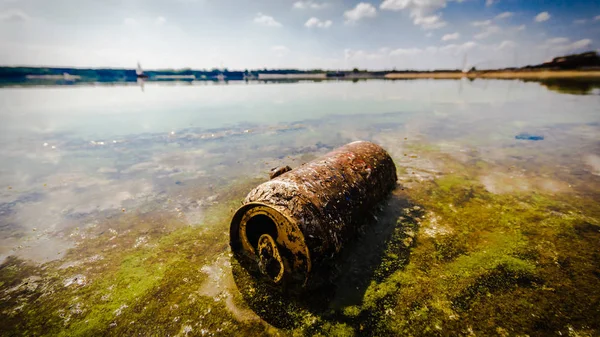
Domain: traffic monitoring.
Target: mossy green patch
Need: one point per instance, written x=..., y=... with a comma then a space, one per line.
x=494, y=250
x=123, y=280
x=448, y=257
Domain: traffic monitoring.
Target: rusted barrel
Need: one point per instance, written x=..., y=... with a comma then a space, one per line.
x=291, y=227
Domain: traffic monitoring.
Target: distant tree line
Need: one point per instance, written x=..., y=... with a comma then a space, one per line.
x=20, y=74
x=589, y=60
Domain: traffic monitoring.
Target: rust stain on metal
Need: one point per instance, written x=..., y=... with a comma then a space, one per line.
x=293, y=226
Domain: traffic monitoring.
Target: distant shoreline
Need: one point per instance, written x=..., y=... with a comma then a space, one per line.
x=584, y=65
x=499, y=74
x=537, y=75
x=570, y=67
x=58, y=76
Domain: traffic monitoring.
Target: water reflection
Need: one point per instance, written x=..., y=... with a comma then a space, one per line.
x=573, y=86
x=191, y=152
x=73, y=156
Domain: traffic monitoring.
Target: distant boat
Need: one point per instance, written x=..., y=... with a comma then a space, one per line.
x=465, y=68
x=221, y=77
x=249, y=77
x=70, y=78
x=139, y=72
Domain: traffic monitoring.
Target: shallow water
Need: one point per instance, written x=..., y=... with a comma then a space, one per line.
x=104, y=176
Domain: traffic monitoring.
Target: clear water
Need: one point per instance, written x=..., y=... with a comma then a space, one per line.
x=75, y=159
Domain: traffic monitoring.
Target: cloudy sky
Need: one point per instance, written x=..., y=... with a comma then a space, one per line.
x=332, y=34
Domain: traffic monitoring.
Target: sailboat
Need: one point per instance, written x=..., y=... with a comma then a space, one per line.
x=221, y=78
x=139, y=72
x=465, y=68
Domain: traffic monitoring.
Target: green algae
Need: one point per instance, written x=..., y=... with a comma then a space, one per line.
x=127, y=271
x=498, y=254
x=135, y=276
x=336, y=329
x=445, y=257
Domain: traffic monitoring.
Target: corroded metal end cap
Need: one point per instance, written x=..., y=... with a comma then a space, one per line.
x=266, y=240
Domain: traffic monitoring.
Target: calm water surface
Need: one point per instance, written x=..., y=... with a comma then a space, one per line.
x=79, y=161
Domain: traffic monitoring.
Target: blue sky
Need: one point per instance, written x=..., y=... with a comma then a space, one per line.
x=333, y=34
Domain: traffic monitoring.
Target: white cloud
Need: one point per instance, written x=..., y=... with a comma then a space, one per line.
x=504, y=15
x=597, y=18
x=160, y=20
x=405, y=51
x=585, y=43
x=130, y=22
x=481, y=23
x=429, y=22
x=487, y=32
x=506, y=44
x=314, y=22
x=489, y=3
x=361, y=11
x=458, y=48
x=14, y=15
x=562, y=45
x=308, y=4
x=266, y=20
x=424, y=6
x=520, y=28
x=430, y=34
x=449, y=37
x=350, y=54
x=557, y=40
x=579, y=21
x=421, y=11
x=383, y=53
x=280, y=51
x=407, y=56
x=543, y=16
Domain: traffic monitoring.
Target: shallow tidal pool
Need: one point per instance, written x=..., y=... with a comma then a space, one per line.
x=115, y=204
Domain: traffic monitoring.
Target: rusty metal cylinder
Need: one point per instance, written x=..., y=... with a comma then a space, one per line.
x=292, y=227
